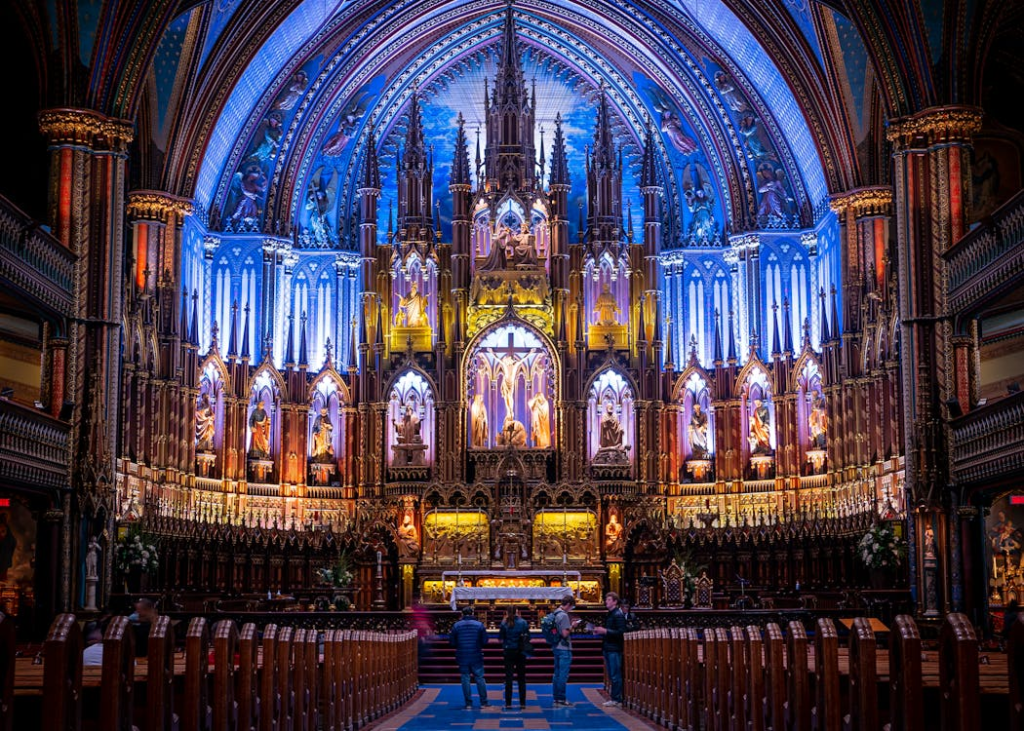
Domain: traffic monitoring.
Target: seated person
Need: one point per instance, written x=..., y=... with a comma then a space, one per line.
x=142, y=619
x=92, y=635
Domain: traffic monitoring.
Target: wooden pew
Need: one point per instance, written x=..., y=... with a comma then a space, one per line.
x=311, y=655
x=160, y=715
x=958, y=674
x=775, y=679
x=270, y=695
x=7, y=649
x=798, y=697
x=693, y=680
x=863, y=714
x=329, y=697
x=62, y=675
x=738, y=689
x=225, y=705
x=248, y=679
x=286, y=721
x=196, y=712
x=673, y=673
x=117, y=684
x=754, y=700
x=827, y=714
x=1015, y=666
x=716, y=679
x=298, y=676
x=906, y=707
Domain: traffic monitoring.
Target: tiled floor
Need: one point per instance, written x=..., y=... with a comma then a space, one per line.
x=441, y=707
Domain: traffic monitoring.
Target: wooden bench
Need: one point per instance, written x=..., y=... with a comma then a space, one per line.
x=225, y=676
x=958, y=673
x=863, y=715
x=906, y=706
x=159, y=714
x=197, y=715
x=7, y=651
x=62, y=675
x=117, y=686
x=826, y=714
x=248, y=679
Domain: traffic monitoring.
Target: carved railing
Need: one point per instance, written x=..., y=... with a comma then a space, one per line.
x=34, y=262
x=33, y=447
x=987, y=442
x=987, y=259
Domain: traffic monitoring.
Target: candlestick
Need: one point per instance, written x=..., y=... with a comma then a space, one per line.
x=378, y=558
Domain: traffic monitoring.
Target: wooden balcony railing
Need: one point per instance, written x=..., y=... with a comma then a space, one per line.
x=988, y=442
x=34, y=262
x=988, y=259
x=33, y=447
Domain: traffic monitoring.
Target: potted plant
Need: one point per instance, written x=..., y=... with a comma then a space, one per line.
x=339, y=576
x=136, y=556
x=882, y=552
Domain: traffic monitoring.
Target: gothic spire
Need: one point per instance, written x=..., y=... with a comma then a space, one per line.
x=509, y=56
x=193, y=333
x=183, y=324
x=303, y=355
x=648, y=167
x=233, y=335
x=787, y=326
x=559, y=158
x=371, y=166
x=824, y=336
x=460, y=164
x=732, y=341
x=289, y=349
x=245, y=334
x=604, y=154
x=352, y=365
x=718, y=338
x=835, y=314
x=776, y=344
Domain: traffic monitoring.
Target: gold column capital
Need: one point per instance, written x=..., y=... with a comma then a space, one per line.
x=875, y=200
x=155, y=205
x=85, y=127
x=935, y=125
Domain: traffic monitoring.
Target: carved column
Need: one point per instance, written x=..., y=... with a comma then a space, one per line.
x=931, y=151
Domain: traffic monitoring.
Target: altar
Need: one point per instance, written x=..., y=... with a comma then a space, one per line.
x=499, y=591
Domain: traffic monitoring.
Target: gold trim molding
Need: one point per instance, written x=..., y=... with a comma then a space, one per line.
x=153, y=205
x=934, y=126
x=85, y=127
x=864, y=202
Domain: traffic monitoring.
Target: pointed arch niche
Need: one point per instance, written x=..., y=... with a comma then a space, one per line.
x=758, y=421
x=697, y=427
x=209, y=419
x=510, y=389
x=326, y=428
x=263, y=426
x=411, y=417
x=610, y=399
x=812, y=415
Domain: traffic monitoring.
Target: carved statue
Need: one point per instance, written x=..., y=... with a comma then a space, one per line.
x=502, y=251
x=206, y=423
x=478, y=422
x=259, y=425
x=407, y=431
x=92, y=559
x=817, y=422
x=612, y=532
x=408, y=536
x=525, y=248
x=508, y=382
x=760, y=433
x=414, y=308
x=697, y=432
x=606, y=307
x=513, y=433
x=611, y=429
x=540, y=421
x=323, y=437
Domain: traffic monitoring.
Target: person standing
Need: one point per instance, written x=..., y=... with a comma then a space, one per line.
x=562, y=650
x=514, y=635
x=612, y=645
x=468, y=636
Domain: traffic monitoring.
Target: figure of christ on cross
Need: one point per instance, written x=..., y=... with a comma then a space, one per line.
x=509, y=364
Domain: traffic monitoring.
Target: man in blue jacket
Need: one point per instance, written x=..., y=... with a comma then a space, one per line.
x=612, y=645
x=468, y=636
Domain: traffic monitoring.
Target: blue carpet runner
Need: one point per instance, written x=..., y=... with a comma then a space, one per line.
x=442, y=707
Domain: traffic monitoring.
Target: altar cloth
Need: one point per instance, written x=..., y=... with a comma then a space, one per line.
x=524, y=593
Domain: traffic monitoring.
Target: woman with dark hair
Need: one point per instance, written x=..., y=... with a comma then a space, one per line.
x=514, y=634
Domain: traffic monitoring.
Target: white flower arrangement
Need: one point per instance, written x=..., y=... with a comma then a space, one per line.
x=880, y=548
x=135, y=552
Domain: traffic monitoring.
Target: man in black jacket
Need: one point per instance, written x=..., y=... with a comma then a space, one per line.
x=611, y=645
x=468, y=637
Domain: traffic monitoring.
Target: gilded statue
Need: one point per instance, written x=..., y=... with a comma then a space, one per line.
x=606, y=307
x=408, y=536
x=478, y=422
x=412, y=308
x=612, y=532
x=540, y=421
x=323, y=437
x=760, y=439
x=259, y=426
x=513, y=433
x=697, y=432
x=508, y=364
x=525, y=248
x=407, y=430
x=206, y=424
x=817, y=422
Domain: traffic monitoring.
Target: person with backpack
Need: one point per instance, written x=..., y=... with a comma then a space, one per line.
x=557, y=635
x=514, y=635
x=468, y=636
x=612, y=645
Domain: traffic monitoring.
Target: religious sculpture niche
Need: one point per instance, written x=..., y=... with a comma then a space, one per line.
x=207, y=418
x=325, y=429
x=815, y=416
x=260, y=422
x=455, y=537
x=760, y=426
x=411, y=426
x=413, y=308
x=408, y=535
x=206, y=424
x=606, y=286
x=610, y=417
x=613, y=543
x=510, y=381
x=561, y=536
x=696, y=403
